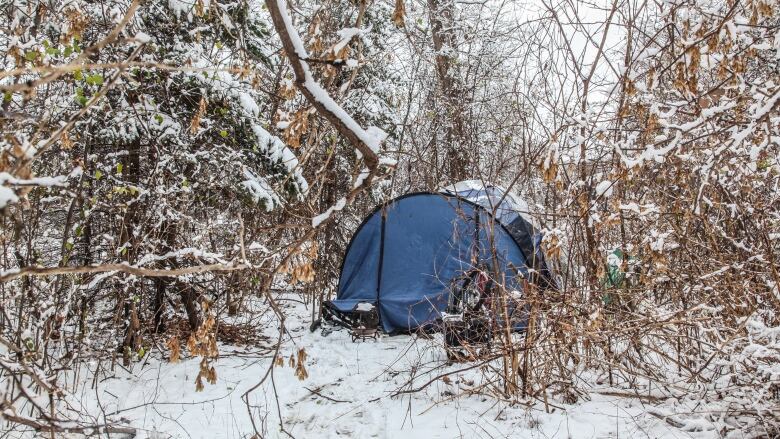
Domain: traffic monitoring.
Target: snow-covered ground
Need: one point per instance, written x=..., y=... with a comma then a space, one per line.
x=348, y=393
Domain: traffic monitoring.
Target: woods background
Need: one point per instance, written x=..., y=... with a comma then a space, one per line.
x=165, y=164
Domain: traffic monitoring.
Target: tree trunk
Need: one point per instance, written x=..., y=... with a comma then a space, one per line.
x=444, y=44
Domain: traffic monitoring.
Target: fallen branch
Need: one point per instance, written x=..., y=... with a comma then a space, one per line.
x=54, y=427
x=317, y=392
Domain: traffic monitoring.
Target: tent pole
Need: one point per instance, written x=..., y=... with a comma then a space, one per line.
x=476, y=237
x=381, y=263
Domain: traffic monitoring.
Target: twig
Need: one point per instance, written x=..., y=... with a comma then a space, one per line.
x=317, y=392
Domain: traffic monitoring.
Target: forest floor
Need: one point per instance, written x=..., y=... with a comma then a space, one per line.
x=348, y=393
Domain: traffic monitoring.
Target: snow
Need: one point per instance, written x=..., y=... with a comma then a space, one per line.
x=260, y=190
x=351, y=391
x=487, y=195
x=767, y=107
x=300, y=49
x=466, y=185
x=180, y=7
x=317, y=220
x=256, y=246
x=372, y=136
x=278, y=151
x=142, y=37
x=604, y=189
x=385, y=160
x=227, y=85
x=361, y=178
x=639, y=209
x=7, y=196
x=346, y=36
x=194, y=252
x=59, y=180
x=364, y=306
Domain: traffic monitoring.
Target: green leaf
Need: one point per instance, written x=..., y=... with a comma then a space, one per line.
x=141, y=352
x=98, y=175
x=68, y=51
x=223, y=133
x=77, y=74
x=158, y=118
x=7, y=96
x=31, y=55
x=185, y=183
x=69, y=246
x=52, y=51
x=96, y=79
x=118, y=168
x=80, y=98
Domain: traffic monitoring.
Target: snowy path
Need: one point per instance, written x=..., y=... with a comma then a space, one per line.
x=346, y=395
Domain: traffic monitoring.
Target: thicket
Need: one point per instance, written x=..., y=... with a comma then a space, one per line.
x=166, y=162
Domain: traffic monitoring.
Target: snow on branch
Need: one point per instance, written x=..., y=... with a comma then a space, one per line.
x=366, y=141
x=36, y=270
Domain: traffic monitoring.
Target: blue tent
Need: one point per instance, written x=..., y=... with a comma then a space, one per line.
x=405, y=256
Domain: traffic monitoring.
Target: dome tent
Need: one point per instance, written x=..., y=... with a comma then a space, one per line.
x=407, y=253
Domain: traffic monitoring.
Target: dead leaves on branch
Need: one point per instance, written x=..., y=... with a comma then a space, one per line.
x=233, y=334
x=203, y=343
x=299, y=265
x=297, y=127
x=296, y=361
x=399, y=13
x=195, y=124
x=78, y=23
x=549, y=166
x=175, y=350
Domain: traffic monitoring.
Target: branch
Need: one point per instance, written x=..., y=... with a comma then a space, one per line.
x=53, y=427
x=9, y=275
x=366, y=142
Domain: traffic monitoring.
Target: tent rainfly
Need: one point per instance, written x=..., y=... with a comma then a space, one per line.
x=406, y=255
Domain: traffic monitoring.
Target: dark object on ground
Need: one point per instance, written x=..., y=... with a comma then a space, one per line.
x=468, y=322
x=367, y=322
x=467, y=339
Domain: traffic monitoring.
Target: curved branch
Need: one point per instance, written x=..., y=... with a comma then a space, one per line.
x=365, y=141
